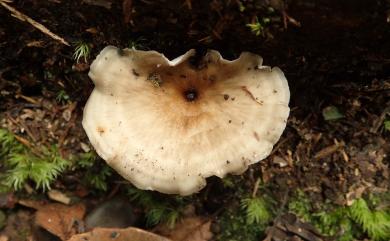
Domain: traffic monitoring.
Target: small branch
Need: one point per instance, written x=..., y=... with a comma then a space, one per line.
x=255, y=188
x=23, y=17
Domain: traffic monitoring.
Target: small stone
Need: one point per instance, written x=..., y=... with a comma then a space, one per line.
x=114, y=213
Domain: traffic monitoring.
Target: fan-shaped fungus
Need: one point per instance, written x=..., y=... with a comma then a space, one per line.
x=167, y=125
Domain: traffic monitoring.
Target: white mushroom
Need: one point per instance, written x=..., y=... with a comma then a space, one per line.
x=167, y=125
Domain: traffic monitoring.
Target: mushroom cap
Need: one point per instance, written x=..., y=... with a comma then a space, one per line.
x=168, y=125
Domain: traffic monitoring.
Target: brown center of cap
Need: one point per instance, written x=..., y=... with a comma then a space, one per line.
x=191, y=95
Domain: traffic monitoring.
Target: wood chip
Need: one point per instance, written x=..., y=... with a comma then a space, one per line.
x=59, y=196
x=327, y=151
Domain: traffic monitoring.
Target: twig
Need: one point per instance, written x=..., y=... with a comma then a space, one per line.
x=280, y=143
x=27, y=98
x=379, y=121
x=255, y=188
x=23, y=17
x=127, y=8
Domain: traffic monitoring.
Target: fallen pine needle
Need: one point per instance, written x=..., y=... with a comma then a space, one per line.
x=23, y=17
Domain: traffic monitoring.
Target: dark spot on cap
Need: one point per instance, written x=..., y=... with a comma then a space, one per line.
x=233, y=98
x=135, y=73
x=212, y=78
x=100, y=130
x=183, y=76
x=275, y=91
x=249, y=68
x=256, y=136
x=230, y=121
x=226, y=97
x=111, y=94
x=191, y=95
x=227, y=162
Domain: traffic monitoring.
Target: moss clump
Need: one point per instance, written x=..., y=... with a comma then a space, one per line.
x=247, y=218
x=95, y=172
x=235, y=225
x=158, y=207
x=362, y=218
x=21, y=164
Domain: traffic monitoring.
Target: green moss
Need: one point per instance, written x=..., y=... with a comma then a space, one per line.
x=248, y=217
x=258, y=27
x=159, y=208
x=376, y=223
x=22, y=164
x=346, y=222
x=96, y=173
x=82, y=50
x=257, y=210
x=300, y=205
x=234, y=226
x=42, y=165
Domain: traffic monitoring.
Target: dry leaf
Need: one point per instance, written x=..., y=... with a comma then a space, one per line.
x=116, y=234
x=3, y=238
x=289, y=227
x=190, y=229
x=60, y=220
x=355, y=193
